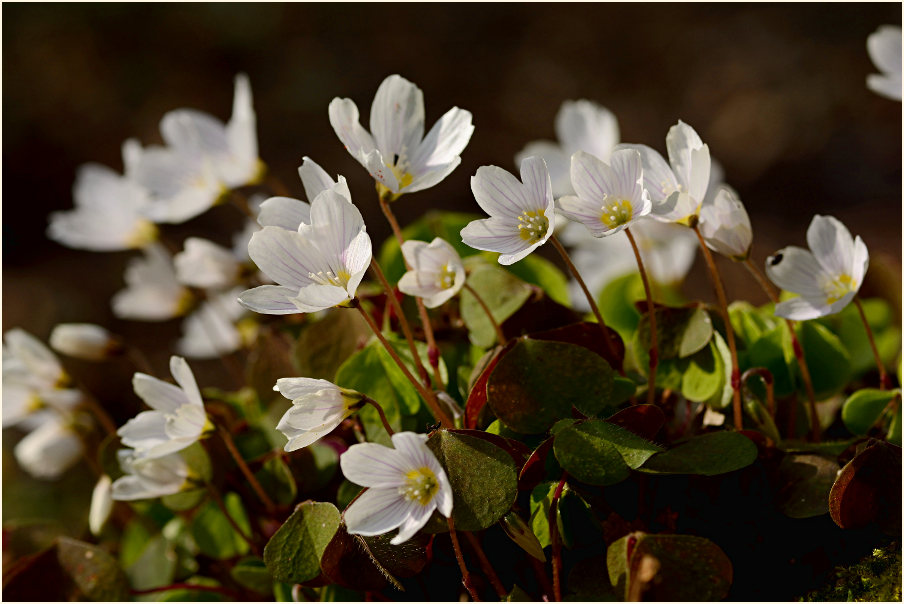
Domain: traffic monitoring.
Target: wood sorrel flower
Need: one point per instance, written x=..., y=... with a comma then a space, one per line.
x=609, y=197
x=436, y=274
x=178, y=418
x=827, y=276
x=147, y=477
x=101, y=504
x=318, y=266
x=51, y=448
x=580, y=126
x=395, y=151
x=85, y=341
x=215, y=328
x=522, y=216
x=725, y=225
x=287, y=212
x=152, y=293
x=884, y=46
x=318, y=406
x=405, y=485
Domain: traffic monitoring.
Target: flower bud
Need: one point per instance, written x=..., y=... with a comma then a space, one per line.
x=725, y=226
x=101, y=505
x=84, y=341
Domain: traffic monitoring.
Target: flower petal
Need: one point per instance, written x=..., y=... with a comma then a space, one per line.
x=373, y=465
x=158, y=394
x=314, y=297
x=494, y=234
x=535, y=177
x=593, y=180
x=284, y=212
x=831, y=244
x=680, y=143
x=145, y=430
x=377, y=511
x=498, y=193
x=186, y=379
x=796, y=270
x=270, y=300
x=285, y=256
x=587, y=126
x=397, y=117
x=658, y=177
x=557, y=161
x=345, y=121
x=415, y=521
x=316, y=180
x=444, y=143
x=801, y=309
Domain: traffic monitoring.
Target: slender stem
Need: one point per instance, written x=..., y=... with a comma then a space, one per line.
x=233, y=596
x=654, y=351
x=540, y=571
x=99, y=413
x=554, y=538
x=486, y=566
x=139, y=360
x=220, y=504
x=249, y=475
x=729, y=332
x=369, y=401
x=421, y=308
x=593, y=307
x=766, y=376
x=499, y=335
x=403, y=322
x=428, y=395
x=465, y=575
x=241, y=203
x=883, y=376
x=796, y=347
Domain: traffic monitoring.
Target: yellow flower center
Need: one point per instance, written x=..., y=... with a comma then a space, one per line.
x=446, y=277
x=420, y=485
x=616, y=212
x=339, y=279
x=532, y=225
x=838, y=287
x=145, y=232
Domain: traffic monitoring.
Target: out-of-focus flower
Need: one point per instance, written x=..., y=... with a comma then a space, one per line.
x=609, y=197
x=405, y=485
x=725, y=225
x=211, y=330
x=884, y=46
x=85, y=341
x=676, y=188
x=152, y=293
x=288, y=213
x=202, y=160
x=395, y=152
x=204, y=264
x=436, y=274
x=522, y=216
x=316, y=267
x=178, y=418
x=51, y=448
x=827, y=276
x=101, y=504
x=580, y=126
x=318, y=406
x=147, y=478
x=109, y=215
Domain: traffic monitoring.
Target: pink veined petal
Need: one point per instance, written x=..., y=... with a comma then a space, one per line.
x=628, y=168
x=537, y=185
x=494, y=234
x=507, y=259
x=444, y=143
x=412, y=448
x=658, y=177
x=593, y=180
x=314, y=297
x=431, y=176
x=299, y=439
x=397, y=117
x=377, y=511
x=498, y=193
x=341, y=221
x=284, y=212
x=345, y=121
x=373, y=465
x=270, y=300
x=831, y=244
x=796, y=270
x=585, y=212
x=285, y=256
x=312, y=414
x=418, y=517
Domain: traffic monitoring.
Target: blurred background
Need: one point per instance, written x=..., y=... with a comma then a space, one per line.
x=777, y=91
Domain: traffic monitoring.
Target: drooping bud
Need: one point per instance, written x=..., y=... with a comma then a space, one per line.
x=725, y=225
x=101, y=504
x=85, y=341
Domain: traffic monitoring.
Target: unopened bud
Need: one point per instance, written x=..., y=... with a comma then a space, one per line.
x=725, y=225
x=101, y=504
x=85, y=341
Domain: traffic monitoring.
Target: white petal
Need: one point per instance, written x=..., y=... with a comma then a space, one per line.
x=796, y=270
x=315, y=297
x=680, y=142
x=397, y=117
x=424, y=285
x=153, y=292
x=884, y=46
x=377, y=168
x=584, y=212
x=314, y=412
x=48, y=451
x=299, y=439
x=356, y=259
x=344, y=221
x=145, y=430
x=131, y=488
x=36, y=357
x=801, y=309
x=699, y=178
x=658, y=177
x=494, y=234
x=498, y=193
x=627, y=166
x=377, y=511
x=101, y=504
x=83, y=341
x=445, y=141
x=860, y=262
x=413, y=449
x=373, y=465
x=284, y=256
x=586, y=126
x=831, y=244
x=428, y=178
x=270, y=300
x=535, y=177
x=316, y=180
x=889, y=87
x=158, y=394
x=418, y=517
x=186, y=379
x=344, y=120
x=205, y=264
x=593, y=180
x=558, y=163
x=19, y=401
x=293, y=388
x=241, y=165
x=210, y=331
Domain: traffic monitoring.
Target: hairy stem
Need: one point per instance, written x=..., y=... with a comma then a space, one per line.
x=883, y=376
x=465, y=575
x=654, y=351
x=486, y=309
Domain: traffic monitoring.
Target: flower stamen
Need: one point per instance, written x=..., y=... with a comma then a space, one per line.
x=420, y=485
x=532, y=225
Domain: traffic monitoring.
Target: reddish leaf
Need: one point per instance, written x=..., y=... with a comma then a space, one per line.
x=534, y=470
x=642, y=420
x=588, y=335
x=868, y=489
x=477, y=398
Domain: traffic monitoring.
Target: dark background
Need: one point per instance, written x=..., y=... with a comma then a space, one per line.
x=777, y=91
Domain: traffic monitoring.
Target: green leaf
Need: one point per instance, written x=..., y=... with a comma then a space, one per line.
x=680, y=332
x=213, y=532
x=707, y=454
x=483, y=477
x=364, y=371
x=540, y=501
x=155, y=565
x=324, y=345
x=849, y=327
x=827, y=358
x=773, y=350
x=704, y=376
x=276, y=479
x=409, y=397
x=538, y=382
x=447, y=225
x=600, y=453
x=541, y=272
x=862, y=409
x=193, y=595
x=293, y=553
x=501, y=291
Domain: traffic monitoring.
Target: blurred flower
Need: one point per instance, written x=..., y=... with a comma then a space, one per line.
x=178, y=418
x=147, y=478
x=436, y=274
x=84, y=341
x=884, y=46
x=204, y=264
x=211, y=330
x=609, y=197
x=49, y=449
x=109, y=213
x=318, y=406
x=395, y=152
x=827, y=276
x=580, y=126
x=405, y=485
x=676, y=190
x=725, y=225
x=202, y=160
x=288, y=213
x=101, y=505
x=153, y=292
x=522, y=216
x=316, y=267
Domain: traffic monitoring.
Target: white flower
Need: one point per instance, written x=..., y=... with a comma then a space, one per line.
x=609, y=197
x=289, y=213
x=316, y=267
x=827, y=276
x=436, y=274
x=405, y=485
x=580, y=126
x=395, y=151
x=522, y=216
x=178, y=418
x=109, y=213
x=676, y=190
x=203, y=159
x=101, y=504
x=318, y=406
x=50, y=449
x=725, y=225
x=210, y=331
x=205, y=264
x=84, y=341
x=884, y=46
x=147, y=478
x=153, y=292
